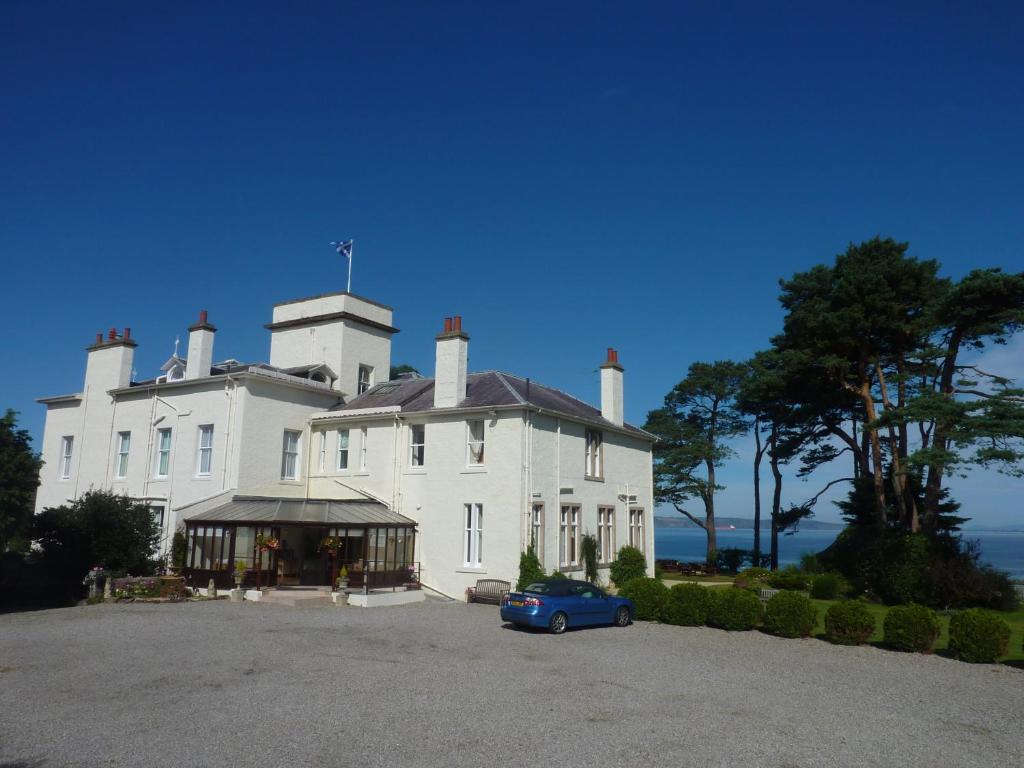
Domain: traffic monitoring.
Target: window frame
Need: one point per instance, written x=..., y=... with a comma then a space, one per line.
x=637, y=537
x=605, y=533
x=162, y=469
x=363, y=440
x=537, y=530
x=285, y=453
x=207, y=450
x=473, y=534
x=594, y=454
x=470, y=442
x=417, y=462
x=569, y=536
x=124, y=446
x=343, y=451
x=67, y=450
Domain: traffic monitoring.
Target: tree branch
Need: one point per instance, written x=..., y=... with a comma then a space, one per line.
x=693, y=519
x=814, y=499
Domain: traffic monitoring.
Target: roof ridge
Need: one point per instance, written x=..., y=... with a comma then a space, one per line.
x=501, y=377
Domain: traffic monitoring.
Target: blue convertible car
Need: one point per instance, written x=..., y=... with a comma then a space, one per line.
x=558, y=605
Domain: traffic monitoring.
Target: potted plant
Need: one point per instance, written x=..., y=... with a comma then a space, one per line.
x=239, y=573
x=332, y=546
x=343, y=579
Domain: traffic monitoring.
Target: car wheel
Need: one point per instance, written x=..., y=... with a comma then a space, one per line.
x=622, y=617
x=558, y=623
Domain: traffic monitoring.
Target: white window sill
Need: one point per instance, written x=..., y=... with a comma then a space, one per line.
x=593, y=478
x=415, y=471
x=570, y=568
x=290, y=481
x=474, y=470
x=160, y=478
x=470, y=569
x=205, y=478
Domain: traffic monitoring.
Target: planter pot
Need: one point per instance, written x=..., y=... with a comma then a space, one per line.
x=342, y=585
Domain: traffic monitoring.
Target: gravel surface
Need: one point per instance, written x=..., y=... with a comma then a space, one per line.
x=222, y=684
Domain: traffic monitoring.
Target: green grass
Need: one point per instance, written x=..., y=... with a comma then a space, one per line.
x=1015, y=619
x=724, y=579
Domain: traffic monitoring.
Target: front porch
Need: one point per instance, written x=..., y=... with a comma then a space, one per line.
x=300, y=543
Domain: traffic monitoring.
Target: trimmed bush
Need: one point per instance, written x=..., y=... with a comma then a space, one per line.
x=630, y=564
x=826, y=586
x=790, y=577
x=530, y=570
x=849, y=623
x=687, y=605
x=790, y=614
x=978, y=636
x=911, y=628
x=556, y=576
x=648, y=596
x=730, y=559
x=734, y=609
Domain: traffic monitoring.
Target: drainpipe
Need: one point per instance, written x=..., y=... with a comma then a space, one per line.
x=231, y=394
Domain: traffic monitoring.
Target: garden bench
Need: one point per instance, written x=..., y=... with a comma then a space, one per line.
x=488, y=591
x=669, y=566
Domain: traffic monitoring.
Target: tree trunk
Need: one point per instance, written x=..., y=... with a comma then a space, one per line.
x=936, y=468
x=899, y=480
x=776, y=497
x=878, y=477
x=758, y=454
x=709, y=513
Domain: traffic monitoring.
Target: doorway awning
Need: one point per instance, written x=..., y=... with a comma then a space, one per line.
x=264, y=510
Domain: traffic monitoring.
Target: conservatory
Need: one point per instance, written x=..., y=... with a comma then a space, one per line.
x=299, y=542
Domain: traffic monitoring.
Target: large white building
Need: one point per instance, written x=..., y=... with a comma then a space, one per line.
x=453, y=476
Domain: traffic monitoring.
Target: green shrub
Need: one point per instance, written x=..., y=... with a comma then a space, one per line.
x=790, y=577
x=687, y=605
x=790, y=614
x=978, y=636
x=902, y=568
x=911, y=628
x=630, y=564
x=730, y=559
x=849, y=623
x=588, y=552
x=530, y=570
x=556, y=576
x=648, y=596
x=809, y=563
x=733, y=609
x=826, y=586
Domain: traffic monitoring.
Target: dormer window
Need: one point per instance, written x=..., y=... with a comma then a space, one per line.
x=175, y=373
x=365, y=379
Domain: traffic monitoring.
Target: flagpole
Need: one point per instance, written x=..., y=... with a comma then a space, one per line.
x=351, y=251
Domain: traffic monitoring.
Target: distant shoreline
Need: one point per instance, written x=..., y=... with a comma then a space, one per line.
x=747, y=524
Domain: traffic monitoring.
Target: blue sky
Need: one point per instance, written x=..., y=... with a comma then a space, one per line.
x=566, y=176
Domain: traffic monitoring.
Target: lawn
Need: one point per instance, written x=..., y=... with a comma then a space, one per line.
x=1014, y=618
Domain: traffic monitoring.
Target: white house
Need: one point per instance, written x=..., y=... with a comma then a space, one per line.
x=453, y=475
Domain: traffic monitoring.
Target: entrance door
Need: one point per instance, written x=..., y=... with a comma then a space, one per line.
x=301, y=562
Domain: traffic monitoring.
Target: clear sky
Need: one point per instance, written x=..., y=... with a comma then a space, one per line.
x=566, y=176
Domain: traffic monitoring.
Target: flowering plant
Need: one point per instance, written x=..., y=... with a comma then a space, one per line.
x=267, y=543
x=332, y=544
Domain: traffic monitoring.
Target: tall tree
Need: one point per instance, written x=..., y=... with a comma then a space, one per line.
x=698, y=419
x=19, y=478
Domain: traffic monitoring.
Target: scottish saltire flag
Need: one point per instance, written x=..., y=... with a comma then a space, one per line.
x=345, y=248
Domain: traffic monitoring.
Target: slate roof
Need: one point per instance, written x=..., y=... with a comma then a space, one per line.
x=488, y=389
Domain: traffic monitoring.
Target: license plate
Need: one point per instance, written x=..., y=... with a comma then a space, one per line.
x=516, y=603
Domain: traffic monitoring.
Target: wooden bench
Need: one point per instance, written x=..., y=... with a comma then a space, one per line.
x=488, y=591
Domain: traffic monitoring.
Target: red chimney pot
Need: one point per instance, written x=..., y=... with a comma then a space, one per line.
x=457, y=320
x=447, y=325
x=99, y=337
x=127, y=333
x=202, y=316
x=113, y=334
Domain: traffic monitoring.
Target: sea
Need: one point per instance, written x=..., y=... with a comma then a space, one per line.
x=1001, y=549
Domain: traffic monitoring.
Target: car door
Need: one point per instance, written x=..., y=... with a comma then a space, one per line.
x=594, y=605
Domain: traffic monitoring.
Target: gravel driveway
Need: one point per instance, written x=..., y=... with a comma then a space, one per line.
x=445, y=684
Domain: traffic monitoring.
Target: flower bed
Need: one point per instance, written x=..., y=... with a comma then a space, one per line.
x=162, y=588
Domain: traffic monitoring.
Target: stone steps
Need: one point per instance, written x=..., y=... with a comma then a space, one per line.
x=314, y=597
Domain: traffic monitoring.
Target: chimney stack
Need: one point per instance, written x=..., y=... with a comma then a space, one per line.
x=200, y=348
x=611, y=388
x=109, y=365
x=450, y=364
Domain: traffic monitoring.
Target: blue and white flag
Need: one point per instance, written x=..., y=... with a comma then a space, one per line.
x=345, y=248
